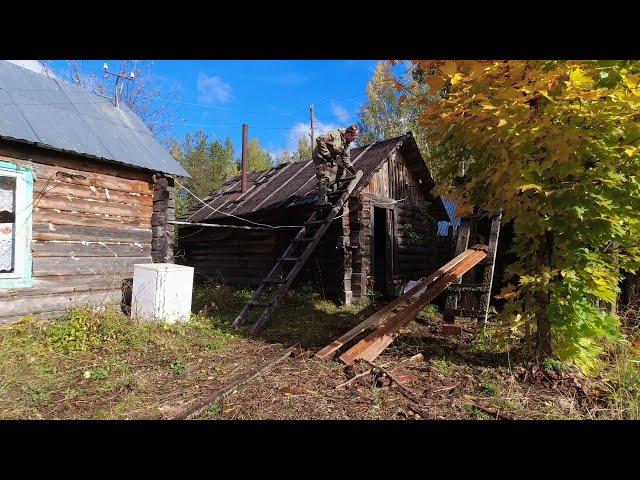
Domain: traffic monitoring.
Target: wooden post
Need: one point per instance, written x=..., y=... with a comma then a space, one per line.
x=245, y=160
x=164, y=212
x=487, y=278
x=464, y=234
x=312, y=132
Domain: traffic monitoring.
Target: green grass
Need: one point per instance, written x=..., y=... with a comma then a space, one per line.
x=305, y=318
x=73, y=365
x=489, y=387
x=622, y=373
x=443, y=366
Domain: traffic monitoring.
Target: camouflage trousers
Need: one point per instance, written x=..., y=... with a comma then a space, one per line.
x=327, y=172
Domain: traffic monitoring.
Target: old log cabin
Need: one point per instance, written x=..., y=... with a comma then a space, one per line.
x=386, y=234
x=85, y=193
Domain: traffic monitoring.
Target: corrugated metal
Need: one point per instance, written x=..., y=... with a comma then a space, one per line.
x=53, y=113
x=443, y=227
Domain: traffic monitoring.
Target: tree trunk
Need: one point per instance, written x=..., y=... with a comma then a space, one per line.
x=543, y=323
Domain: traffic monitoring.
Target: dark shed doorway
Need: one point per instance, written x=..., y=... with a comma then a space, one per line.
x=383, y=251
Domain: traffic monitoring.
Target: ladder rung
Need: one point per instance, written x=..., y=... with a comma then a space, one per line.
x=468, y=287
x=487, y=262
x=459, y=312
x=260, y=304
x=289, y=259
x=315, y=222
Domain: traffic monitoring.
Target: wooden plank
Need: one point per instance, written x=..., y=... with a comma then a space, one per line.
x=389, y=251
x=394, y=305
x=60, y=188
x=47, y=266
x=91, y=234
x=62, y=248
x=494, y=234
x=223, y=392
x=57, y=302
x=96, y=219
x=84, y=172
x=371, y=346
x=74, y=204
x=51, y=285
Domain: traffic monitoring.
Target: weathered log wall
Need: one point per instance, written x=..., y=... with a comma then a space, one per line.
x=92, y=221
x=415, y=251
x=245, y=257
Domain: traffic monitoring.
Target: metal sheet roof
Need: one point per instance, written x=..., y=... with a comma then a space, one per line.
x=443, y=227
x=52, y=113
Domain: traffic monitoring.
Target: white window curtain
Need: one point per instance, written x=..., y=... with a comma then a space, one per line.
x=7, y=222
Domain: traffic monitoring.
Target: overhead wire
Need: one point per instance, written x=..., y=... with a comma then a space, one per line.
x=240, y=218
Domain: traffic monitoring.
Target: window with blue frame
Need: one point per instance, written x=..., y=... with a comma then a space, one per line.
x=16, y=196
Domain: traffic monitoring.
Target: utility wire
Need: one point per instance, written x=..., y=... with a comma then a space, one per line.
x=231, y=215
x=234, y=216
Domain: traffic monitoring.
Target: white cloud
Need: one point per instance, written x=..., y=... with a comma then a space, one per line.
x=340, y=112
x=213, y=89
x=34, y=66
x=302, y=129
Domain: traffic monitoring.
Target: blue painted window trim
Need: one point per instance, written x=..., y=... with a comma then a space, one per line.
x=26, y=280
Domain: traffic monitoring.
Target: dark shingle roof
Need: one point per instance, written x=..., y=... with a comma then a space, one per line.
x=55, y=114
x=295, y=183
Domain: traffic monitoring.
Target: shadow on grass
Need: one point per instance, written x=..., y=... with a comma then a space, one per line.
x=302, y=318
x=305, y=319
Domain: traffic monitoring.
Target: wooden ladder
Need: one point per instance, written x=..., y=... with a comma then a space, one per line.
x=462, y=289
x=287, y=267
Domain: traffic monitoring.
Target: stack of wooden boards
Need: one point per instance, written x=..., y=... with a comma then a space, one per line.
x=403, y=310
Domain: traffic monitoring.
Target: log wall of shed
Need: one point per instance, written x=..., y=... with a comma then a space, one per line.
x=92, y=221
x=245, y=257
x=415, y=251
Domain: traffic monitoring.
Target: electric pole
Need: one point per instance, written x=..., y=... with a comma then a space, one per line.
x=311, y=119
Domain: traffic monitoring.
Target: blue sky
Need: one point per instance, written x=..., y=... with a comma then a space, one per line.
x=272, y=96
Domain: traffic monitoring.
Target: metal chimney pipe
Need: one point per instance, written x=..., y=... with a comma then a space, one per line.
x=245, y=159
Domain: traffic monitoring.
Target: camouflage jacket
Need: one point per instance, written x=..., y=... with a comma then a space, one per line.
x=333, y=147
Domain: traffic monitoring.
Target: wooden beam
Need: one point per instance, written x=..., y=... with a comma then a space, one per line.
x=371, y=346
x=223, y=392
x=394, y=305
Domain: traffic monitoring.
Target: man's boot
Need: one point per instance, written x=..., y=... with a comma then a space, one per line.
x=321, y=202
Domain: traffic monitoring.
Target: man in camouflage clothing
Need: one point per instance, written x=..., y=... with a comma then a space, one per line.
x=332, y=157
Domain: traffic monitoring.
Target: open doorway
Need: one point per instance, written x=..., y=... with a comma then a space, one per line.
x=382, y=250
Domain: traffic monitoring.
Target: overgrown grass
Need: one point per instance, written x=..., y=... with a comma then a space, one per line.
x=97, y=362
x=621, y=370
x=310, y=321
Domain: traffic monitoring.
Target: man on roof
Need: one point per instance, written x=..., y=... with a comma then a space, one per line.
x=331, y=156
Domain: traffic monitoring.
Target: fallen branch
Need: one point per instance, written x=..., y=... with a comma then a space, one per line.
x=492, y=411
x=354, y=378
x=223, y=392
x=417, y=356
x=404, y=390
x=445, y=389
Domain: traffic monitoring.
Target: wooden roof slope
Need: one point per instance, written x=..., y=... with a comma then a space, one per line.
x=292, y=184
